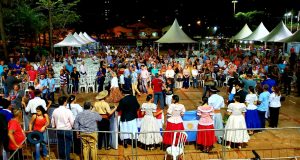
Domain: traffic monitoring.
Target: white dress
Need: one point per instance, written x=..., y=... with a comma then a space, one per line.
x=149, y=124
x=236, y=121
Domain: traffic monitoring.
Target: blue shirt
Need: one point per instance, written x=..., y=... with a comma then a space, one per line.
x=270, y=82
x=7, y=114
x=69, y=68
x=126, y=73
x=1, y=69
x=281, y=67
x=264, y=99
x=134, y=77
x=51, y=83
x=44, y=83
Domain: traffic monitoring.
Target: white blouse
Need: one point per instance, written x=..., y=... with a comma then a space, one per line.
x=175, y=110
x=250, y=99
x=274, y=100
x=114, y=82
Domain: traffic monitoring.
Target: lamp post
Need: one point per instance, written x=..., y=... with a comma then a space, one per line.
x=234, y=2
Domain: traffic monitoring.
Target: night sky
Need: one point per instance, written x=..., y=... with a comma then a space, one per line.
x=160, y=13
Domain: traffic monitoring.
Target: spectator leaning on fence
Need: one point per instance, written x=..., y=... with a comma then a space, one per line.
x=86, y=121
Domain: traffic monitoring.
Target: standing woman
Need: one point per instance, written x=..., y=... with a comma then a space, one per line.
x=75, y=76
x=274, y=107
x=39, y=122
x=115, y=94
x=175, y=121
x=252, y=119
x=186, y=77
x=206, y=138
x=236, y=120
x=16, y=135
x=73, y=106
x=149, y=124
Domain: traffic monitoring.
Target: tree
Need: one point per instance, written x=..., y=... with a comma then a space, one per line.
x=248, y=16
x=2, y=29
x=59, y=15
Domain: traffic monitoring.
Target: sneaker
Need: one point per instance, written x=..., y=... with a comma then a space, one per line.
x=228, y=147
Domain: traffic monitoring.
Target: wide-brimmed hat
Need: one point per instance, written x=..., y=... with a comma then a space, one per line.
x=102, y=94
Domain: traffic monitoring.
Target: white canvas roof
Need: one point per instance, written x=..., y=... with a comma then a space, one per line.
x=175, y=35
x=293, y=38
x=244, y=32
x=278, y=33
x=82, y=37
x=88, y=37
x=69, y=41
x=260, y=32
x=79, y=39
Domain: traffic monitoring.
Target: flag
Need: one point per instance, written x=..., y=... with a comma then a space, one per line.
x=190, y=123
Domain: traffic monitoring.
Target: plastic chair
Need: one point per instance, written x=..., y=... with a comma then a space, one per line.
x=82, y=84
x=176, y=150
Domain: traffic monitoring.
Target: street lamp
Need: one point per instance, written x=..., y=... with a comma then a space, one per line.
x=234, y=2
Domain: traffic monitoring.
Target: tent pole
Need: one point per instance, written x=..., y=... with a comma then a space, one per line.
x=158, y=49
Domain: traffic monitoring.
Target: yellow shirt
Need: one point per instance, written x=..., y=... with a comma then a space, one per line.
x=102, y=107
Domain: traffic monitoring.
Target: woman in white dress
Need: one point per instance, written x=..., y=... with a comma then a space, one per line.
x=149, y=124
x=236, y=120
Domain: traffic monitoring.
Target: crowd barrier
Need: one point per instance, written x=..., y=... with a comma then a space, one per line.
x=266, y=143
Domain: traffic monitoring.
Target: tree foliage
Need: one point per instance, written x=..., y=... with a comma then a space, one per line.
x=248, y=16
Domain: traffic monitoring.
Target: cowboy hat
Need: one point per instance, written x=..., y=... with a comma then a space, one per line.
x=102, y=94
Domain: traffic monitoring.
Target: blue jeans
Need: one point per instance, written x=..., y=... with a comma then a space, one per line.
x=127, y=84
x=44, y=148
x=75, y=86
x=195, y=82
x=64, y=139
x=160, y=96
x=5, y=88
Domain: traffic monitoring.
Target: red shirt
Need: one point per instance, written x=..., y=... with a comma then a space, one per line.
x=157, y=85
x=18, y=134
x=32, y=75
x=39, y=123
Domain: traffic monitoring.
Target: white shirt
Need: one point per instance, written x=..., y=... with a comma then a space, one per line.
x=122, y=80
x=274, y=100
x=75, y=108
x=216, y=101
x=194, y=73
x=250, y=99
x=82, y=68
x=33, y=103
x=62, y=118
x=170, y=73
x=221, y=63
x=144, y=74
x=114, y=82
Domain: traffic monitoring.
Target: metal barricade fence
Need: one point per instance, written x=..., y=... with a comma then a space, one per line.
x=265, y=143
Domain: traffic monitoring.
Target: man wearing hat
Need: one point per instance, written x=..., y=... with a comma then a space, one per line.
x=104, y=110
x=217, y=102
x=87, y=121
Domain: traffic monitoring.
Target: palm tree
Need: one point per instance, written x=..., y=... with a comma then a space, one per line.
x=2, y=30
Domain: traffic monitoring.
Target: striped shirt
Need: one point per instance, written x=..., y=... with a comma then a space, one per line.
x=63, y=79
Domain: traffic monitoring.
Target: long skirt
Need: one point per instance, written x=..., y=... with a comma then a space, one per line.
x=149, y=124
x=237, y=136
x=252, y=119
x=115, y=95
x=218, y=124
x=169, y=136
x=206, y=137
x=128, y=127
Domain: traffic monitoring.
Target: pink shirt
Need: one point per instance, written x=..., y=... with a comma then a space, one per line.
x=144, y=74
x=205, y=112
x=62, y=118
x=175, y=110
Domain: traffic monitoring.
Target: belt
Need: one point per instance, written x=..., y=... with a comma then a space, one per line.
x=217, y=111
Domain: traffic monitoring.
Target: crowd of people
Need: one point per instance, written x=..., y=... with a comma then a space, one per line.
x=254, y=83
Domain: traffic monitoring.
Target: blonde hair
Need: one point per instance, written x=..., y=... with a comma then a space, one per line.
x=16, y=112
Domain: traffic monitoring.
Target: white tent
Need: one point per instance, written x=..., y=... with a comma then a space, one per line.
x=175, y=35
x=258, y=33
x=244, y=32
x=80, y=39
x=293, y=38
x=278, y=33
x=88, y=37
x=84, y=38
x=69, y=41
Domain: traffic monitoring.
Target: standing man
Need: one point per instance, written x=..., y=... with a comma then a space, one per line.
x=157, y=85
x=263, y=106
x=87, y=121
x=63, y=120
x=217, y=102
x=134, y=81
